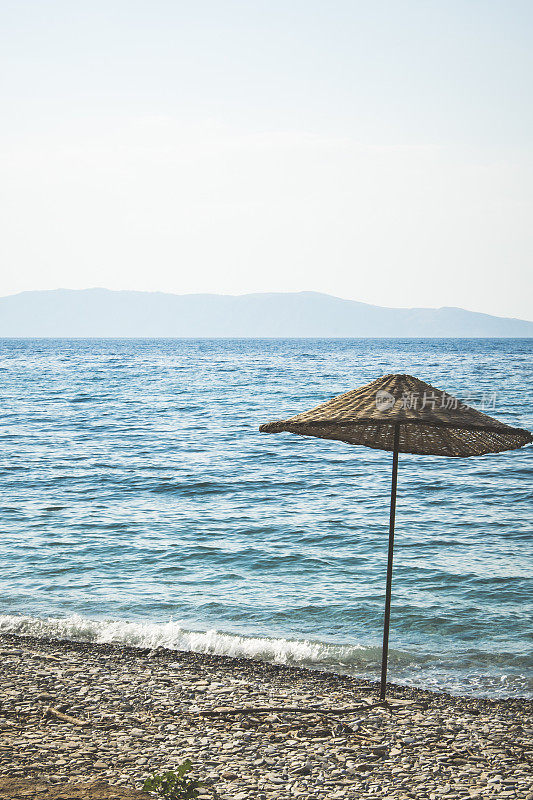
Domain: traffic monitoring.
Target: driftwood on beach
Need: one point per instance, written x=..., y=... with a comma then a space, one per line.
x=229, y=711
x=50, y=711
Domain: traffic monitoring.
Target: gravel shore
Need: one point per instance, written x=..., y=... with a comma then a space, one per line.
x=136, y=711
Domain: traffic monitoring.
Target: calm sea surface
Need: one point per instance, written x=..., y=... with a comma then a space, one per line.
x=139, y=503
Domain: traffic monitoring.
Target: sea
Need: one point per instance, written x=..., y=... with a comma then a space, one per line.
x=140, y=504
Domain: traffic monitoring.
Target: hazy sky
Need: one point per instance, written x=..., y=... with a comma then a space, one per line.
x=379, y=151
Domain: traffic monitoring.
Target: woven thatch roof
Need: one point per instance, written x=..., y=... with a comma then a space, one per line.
x=431, y=421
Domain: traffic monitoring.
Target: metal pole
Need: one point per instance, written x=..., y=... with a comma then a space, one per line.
x=384, y=653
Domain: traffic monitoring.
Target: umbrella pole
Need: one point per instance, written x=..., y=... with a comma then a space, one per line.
x=385, y=651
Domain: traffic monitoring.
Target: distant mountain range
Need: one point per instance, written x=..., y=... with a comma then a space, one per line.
x=104, y=313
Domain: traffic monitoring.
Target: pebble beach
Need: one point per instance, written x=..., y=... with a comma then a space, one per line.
x=80, y=712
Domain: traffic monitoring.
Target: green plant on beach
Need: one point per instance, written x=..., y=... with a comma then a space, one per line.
x=174, y=785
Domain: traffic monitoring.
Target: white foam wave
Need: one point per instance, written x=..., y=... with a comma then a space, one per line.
x=173, y=636
x=409, y=668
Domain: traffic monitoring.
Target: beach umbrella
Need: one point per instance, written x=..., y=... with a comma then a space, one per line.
x=403, y=414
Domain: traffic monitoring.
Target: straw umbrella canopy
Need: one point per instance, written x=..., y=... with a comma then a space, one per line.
x=403, y=414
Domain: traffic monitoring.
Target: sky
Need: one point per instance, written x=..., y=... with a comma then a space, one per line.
x=377, y=151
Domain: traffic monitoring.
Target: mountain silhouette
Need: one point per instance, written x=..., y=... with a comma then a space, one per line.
x=82, y=313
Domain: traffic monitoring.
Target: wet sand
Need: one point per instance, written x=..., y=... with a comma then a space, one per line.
x=85, y=712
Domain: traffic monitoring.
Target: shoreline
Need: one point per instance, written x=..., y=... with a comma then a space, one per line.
x=226, y=661
x=147, y=710
x=96, y=632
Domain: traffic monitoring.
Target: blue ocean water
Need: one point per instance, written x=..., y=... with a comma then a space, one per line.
x=139, y=503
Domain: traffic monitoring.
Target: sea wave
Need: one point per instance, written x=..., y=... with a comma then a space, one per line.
x=411, y=667
x=173, y=636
